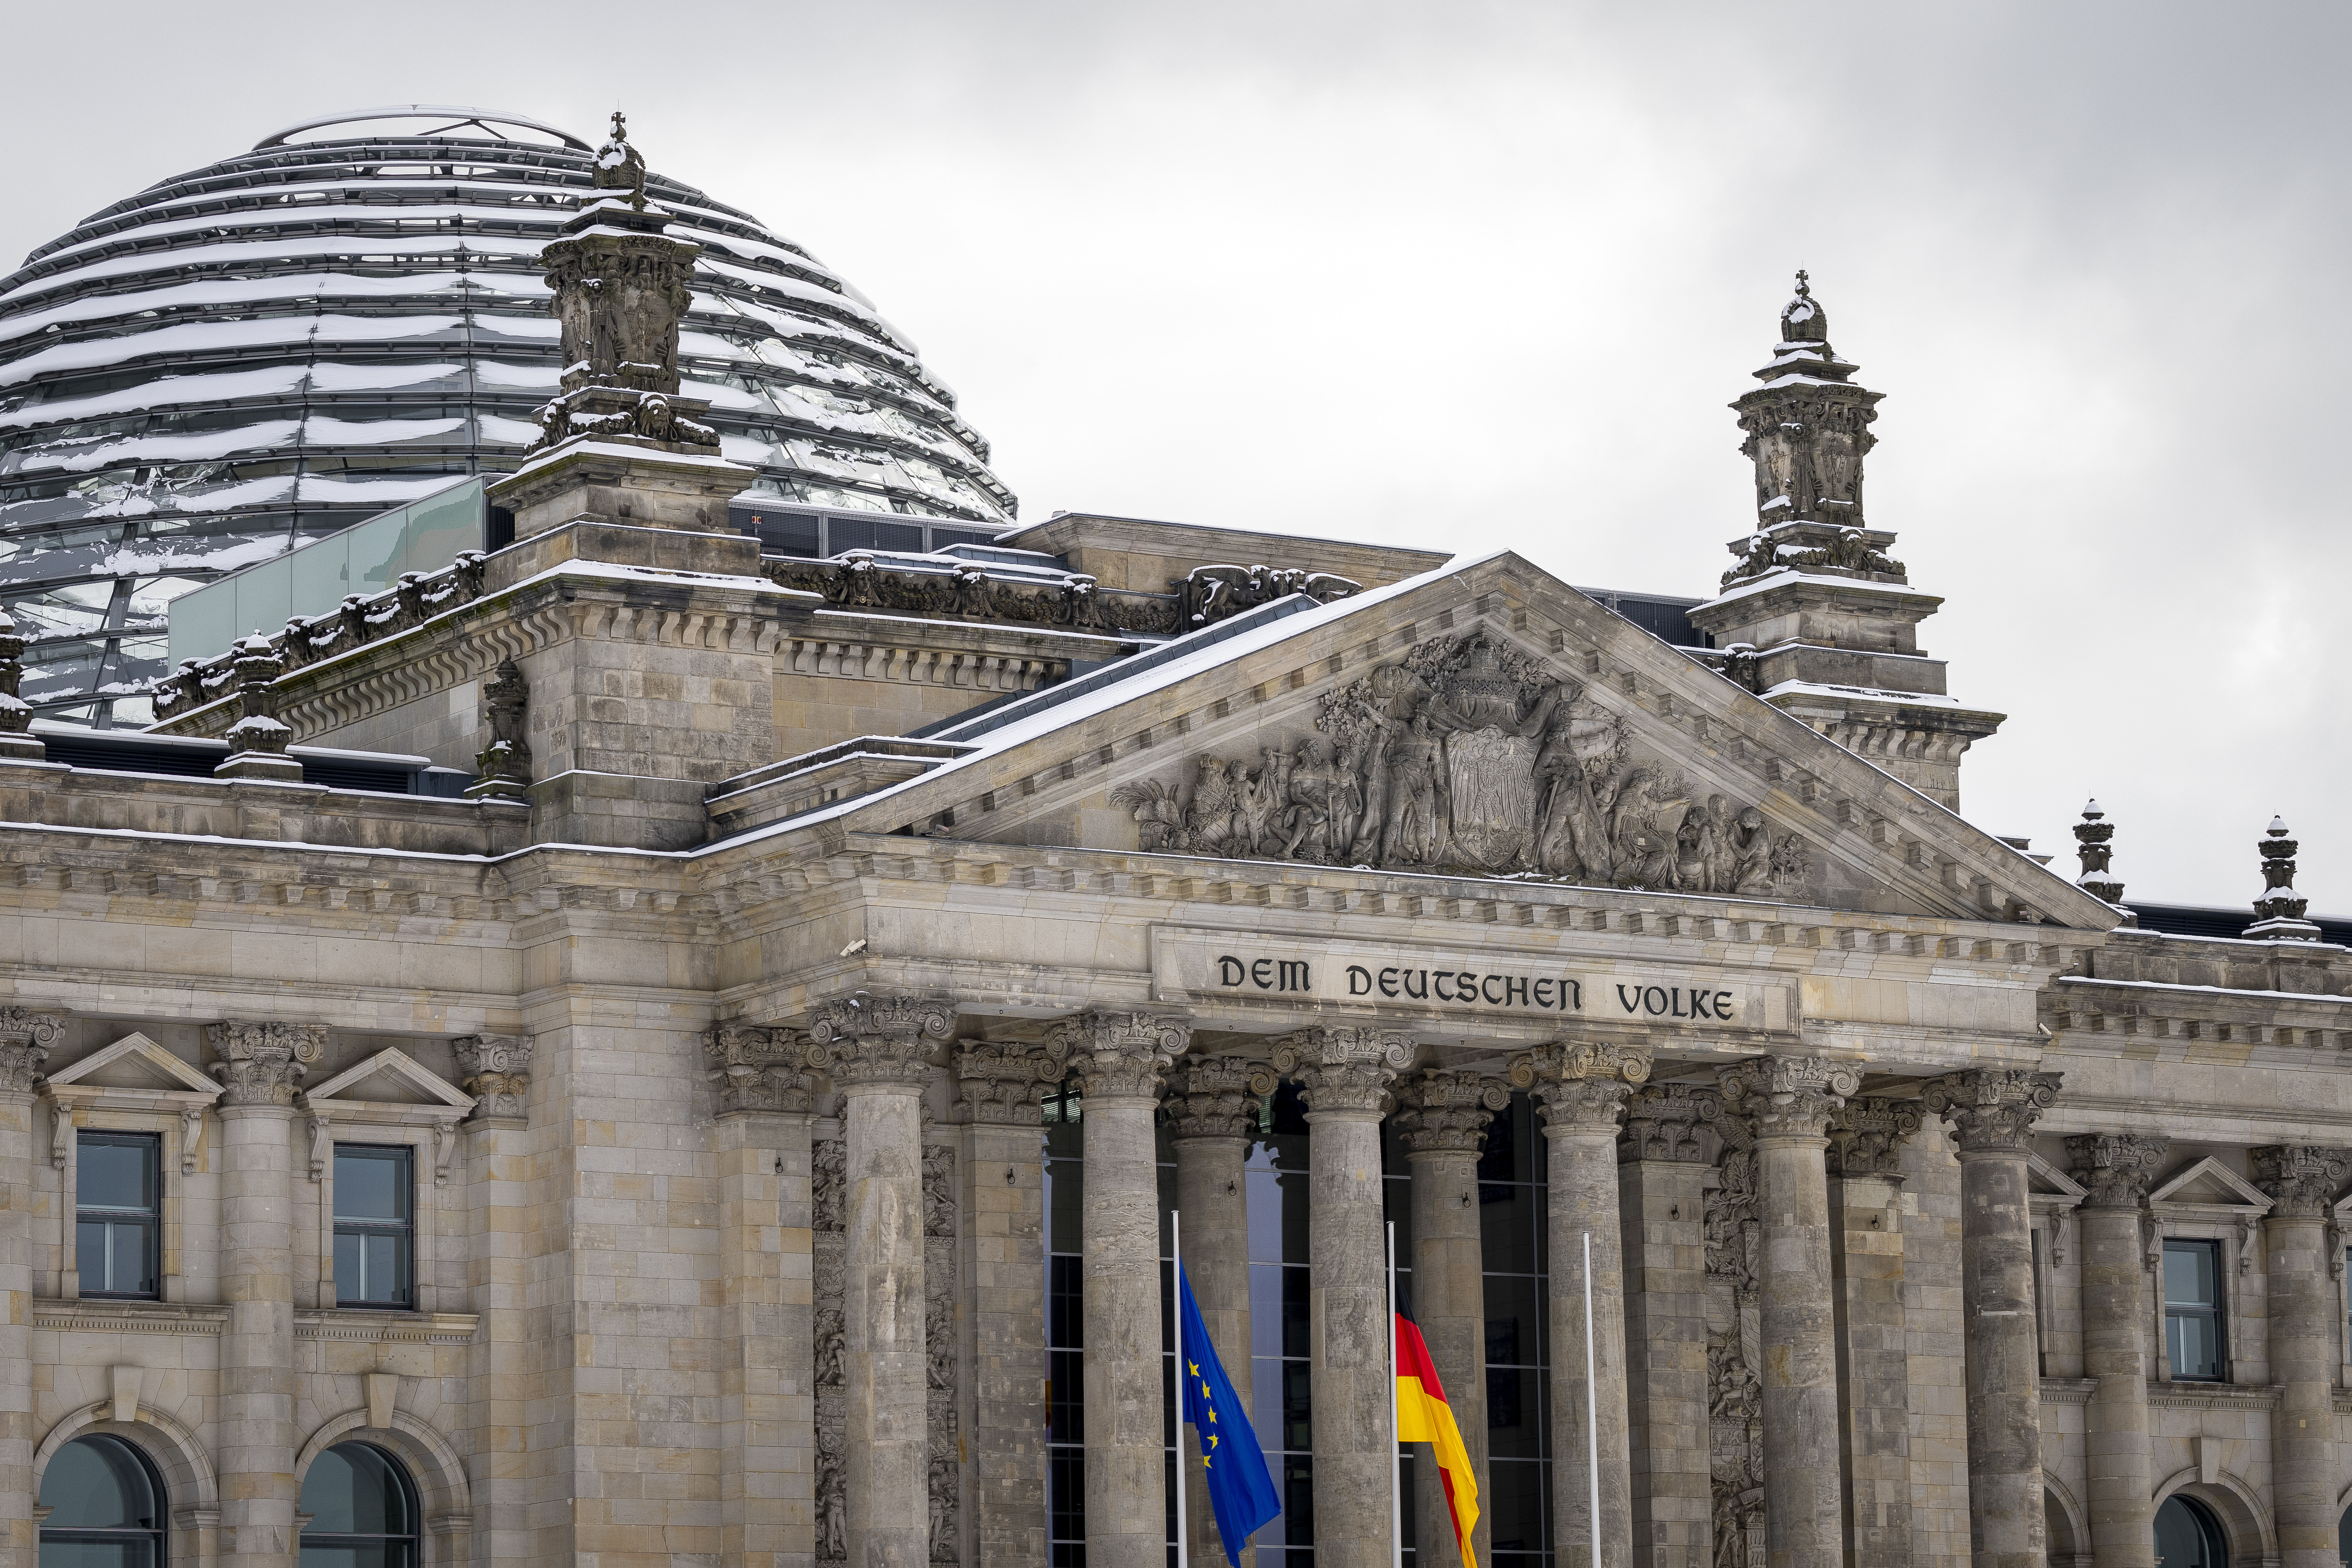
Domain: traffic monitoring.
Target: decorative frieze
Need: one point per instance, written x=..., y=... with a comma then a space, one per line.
x=1344, y=1069
x=884, y=1041
x=1448, y=1112
x=496, y=1070
x=2116, y=1167
x=1867, y=1133
x=1116, y=1055
x=27, y=1038
x=262, y=1064
x=1675, y=1123
x=1217, y=1097
x=1000, y=1085
x=1581, y=1086
x=1991, y=1108
x=759, y=1070
x=2301, y=1179
x=1790, y=1097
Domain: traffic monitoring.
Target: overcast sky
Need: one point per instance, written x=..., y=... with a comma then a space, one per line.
x=1482, y=276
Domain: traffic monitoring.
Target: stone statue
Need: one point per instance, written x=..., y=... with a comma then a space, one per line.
x=619, y=166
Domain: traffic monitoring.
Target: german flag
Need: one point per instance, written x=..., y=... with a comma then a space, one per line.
x=1425, y=1416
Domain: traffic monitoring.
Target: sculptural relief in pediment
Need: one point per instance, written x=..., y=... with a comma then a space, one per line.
x=1471, y=757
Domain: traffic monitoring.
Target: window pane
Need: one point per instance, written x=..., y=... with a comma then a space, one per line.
x=122, y=1552
x=370, y=1184
x=2189, y=1271
x=2196, y=1348
x=98, y=1483
x=115, y=1172
x=353, y=1488
x=347, y=1269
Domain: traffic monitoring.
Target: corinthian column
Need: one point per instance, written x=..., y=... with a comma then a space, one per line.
x=874, y=1048
x=1444, y=1118
x=1865, y=1183
x=1344, y=1076
x=24, y=1041
x=2117, y=1168
x=1119, y=1060
x=2302, y=1183
x=1662, y=1174
x=1213, y=1108
x=1992, y=1112
x=1790, y=1100
x=1581, y=1091
x=258, y=1066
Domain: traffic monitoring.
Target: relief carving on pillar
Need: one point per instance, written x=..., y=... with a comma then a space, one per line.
x=1867, y=1134
x=758, y=1069
x=882, y=1040
x=828, y=1166
x=1470, y=755
x=27, y=1038
x=941, y=1351
x=1002, y=1085
x=496, y=1070
x=1117, y=1055
x=1217, y=1097
x=1992, y=1109
x=2301, y=1180
x=1673, y=1123
x=260, y=1064
x=1343, y=1069
x=2117, y=1167
x=1449, y=1112
x=1581, y=1086
x=1735, y=1353
x=1789, y=1097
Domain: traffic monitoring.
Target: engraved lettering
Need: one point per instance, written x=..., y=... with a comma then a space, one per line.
x=1291, y=975
x=1230, y=971
x=1259, y=973
x=1722, y=1003
x=1631, y=1004
x=1543, y=993
x=1360, y=980
x=1515, y=992
x=1422, y=976
x=1445, y=979
x=1486, y=991
x=1388, y=982
x=1653, y=1001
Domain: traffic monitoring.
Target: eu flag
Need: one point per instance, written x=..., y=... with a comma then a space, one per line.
x=1240, y=1488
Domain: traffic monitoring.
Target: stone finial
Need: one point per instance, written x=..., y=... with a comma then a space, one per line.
x=619, y=166
x=1448, y=1112
x=2300, y=1179
x=503, y=768
x=18, y=742
x=1117, y=1055
x=1867, y=1133
x=2278, y=913
x=1343, y=1069
x=1673, y=1122
x=496, y=1070
x=261, y=1064
x=1579, y=1086
x=1992, y=1109
x=2093, y=838
x=1802, y=320
x=1789, y=1097
x=2117, y=1167
x=1217, y=1097
x=1002, y=1085
x=27, y=1038
x=864, y=1040
x=258, y=739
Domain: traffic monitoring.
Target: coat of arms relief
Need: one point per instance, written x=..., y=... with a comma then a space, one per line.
x=1469, y=755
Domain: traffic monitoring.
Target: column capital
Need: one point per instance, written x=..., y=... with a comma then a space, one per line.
x=1790, y=1097
x=2117, y=1167
x=1581, y=1088
x=1672, y=1122
x=881, y=1042
x=1991, y=1109
x=27, y=1038
x=496, y=1070
x=260, y=1064
x=1118, y=1054
x=1442, y=1112
x=1216, y=1097
x=2300, y=1179
x=1867, y=1132
x=757, y=1070
x=1344, y=1069
x=999, y=1085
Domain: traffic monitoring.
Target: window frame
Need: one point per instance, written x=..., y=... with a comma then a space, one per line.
x=160, y=1532
x=2217, y=1249
x=406, y=1229
x=410, y=1494
x=152, y=1263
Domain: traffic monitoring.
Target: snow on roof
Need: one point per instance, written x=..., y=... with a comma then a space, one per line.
x=1822, y=689
x=213, y=337
x=1788, y=577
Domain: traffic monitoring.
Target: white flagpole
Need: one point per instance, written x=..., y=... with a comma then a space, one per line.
x=1176, y=1255
x=1396, y=1449
x=1592, y=1405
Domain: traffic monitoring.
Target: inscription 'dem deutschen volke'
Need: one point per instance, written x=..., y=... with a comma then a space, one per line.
x=1515, y=990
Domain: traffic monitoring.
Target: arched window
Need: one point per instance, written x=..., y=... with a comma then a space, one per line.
x=2189, y=1536
x=361, y=1509
x=106, y=1507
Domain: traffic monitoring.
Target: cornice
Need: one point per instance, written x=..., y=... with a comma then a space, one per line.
x=127, y=1317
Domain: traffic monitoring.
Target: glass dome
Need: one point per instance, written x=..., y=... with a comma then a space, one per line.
x=271, y=349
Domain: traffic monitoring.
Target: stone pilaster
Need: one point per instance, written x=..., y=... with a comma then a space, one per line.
x=1789, y=1099
x=2117, y=1168
x=1005, y=1316
x=1582, y=1089
x=874, y=1048
x=1344, y=1075
x=496, y=1070
x=1992, y=1112
x=26, y=1039
x=1669, y=1145
x=2302, y=1183
x=503, y=1218
x=259, y=1065
x=1213, y=1106
x=1443, y=1118
x=1864, y=1162
x=767, y=1367
x=1119, y=1060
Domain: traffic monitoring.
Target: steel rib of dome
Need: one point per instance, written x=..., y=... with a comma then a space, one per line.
x=277, y=346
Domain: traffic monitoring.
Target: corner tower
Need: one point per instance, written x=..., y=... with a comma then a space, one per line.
x=1816, y=618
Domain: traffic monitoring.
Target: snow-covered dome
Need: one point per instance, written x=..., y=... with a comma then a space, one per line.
x=291, y=340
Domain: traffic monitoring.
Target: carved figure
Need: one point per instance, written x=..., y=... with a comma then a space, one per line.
x=1415, y=760
x=1159, y=816
x=1751, y=853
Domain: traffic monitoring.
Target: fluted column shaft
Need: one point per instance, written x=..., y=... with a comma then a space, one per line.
x=1443, y=1118
x=1992, y=1112
x=24, y=1041
x=2117, y=1168
x=2302, y=1183
x=1790, y=1100
x=1215, y=1114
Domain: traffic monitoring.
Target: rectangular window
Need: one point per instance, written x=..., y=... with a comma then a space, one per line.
x=375, y=1227
x=119, y=1213
x=2192, y=1309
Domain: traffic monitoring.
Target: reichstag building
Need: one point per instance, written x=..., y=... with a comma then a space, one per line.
x=660, y=1020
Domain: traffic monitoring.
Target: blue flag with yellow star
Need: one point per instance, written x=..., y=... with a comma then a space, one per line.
x=1241, y=1489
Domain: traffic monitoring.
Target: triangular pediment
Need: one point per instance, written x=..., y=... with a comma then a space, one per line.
x=2207, y=1184
x=1485, y=720
x=391, y=1077
x=134, y=1064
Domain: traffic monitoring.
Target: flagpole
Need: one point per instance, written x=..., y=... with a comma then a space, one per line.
x=1396, y=1449
x=1592, y=1405
x=1176, y=1257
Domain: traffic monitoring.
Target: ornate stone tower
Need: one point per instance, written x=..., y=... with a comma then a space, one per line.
x=1815, y=616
